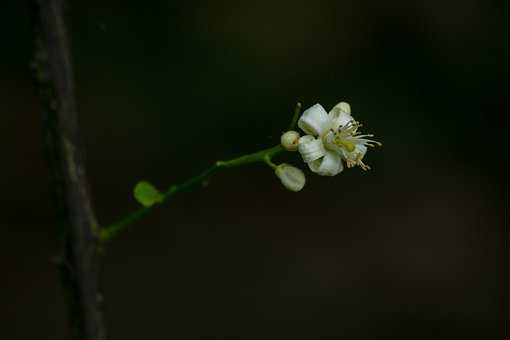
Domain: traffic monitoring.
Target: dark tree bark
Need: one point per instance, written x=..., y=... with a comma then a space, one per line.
x=75, y=214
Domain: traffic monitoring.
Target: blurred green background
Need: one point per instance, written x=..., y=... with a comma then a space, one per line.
x=417, y=248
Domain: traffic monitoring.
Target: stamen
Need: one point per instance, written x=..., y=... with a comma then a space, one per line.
x=349, y=138
x=361, y=164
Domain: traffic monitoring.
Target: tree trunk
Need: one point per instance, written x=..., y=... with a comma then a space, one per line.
x=76, y=219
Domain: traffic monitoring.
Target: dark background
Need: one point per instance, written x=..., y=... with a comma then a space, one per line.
x=417, y=248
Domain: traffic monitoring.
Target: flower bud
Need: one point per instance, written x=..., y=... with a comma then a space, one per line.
x=290, y=140
x=291, y=177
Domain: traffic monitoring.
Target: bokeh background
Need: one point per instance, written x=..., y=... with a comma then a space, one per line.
x=417, y=248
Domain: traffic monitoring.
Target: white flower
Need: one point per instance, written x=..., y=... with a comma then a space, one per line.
x=291, y=177
x=332, y=137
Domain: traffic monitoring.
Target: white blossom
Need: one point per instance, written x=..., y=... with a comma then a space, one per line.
x=332, y=138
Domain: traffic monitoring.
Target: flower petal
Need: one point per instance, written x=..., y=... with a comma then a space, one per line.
x=315, y=165
x=314, y=121
x=340, y=115
x=331, y=164
x=310, y=148
x=344, y=106
x=361, y=150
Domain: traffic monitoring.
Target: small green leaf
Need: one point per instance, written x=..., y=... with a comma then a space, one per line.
x=146, y=194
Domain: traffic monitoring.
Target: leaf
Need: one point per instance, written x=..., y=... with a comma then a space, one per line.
x=146, y=194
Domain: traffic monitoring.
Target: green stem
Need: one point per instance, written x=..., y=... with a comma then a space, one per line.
x=111, y=231
x=260, y=156
x=295, y=118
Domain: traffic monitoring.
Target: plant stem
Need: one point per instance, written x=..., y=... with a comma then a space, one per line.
x=110, y=232
x=75, y=215
x=295, y=117
x=259, y=156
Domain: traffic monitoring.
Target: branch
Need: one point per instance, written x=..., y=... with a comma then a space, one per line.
x=76, y=218
x=109, y=232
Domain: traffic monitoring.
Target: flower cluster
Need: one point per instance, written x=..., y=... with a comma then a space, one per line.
x=331, y=140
